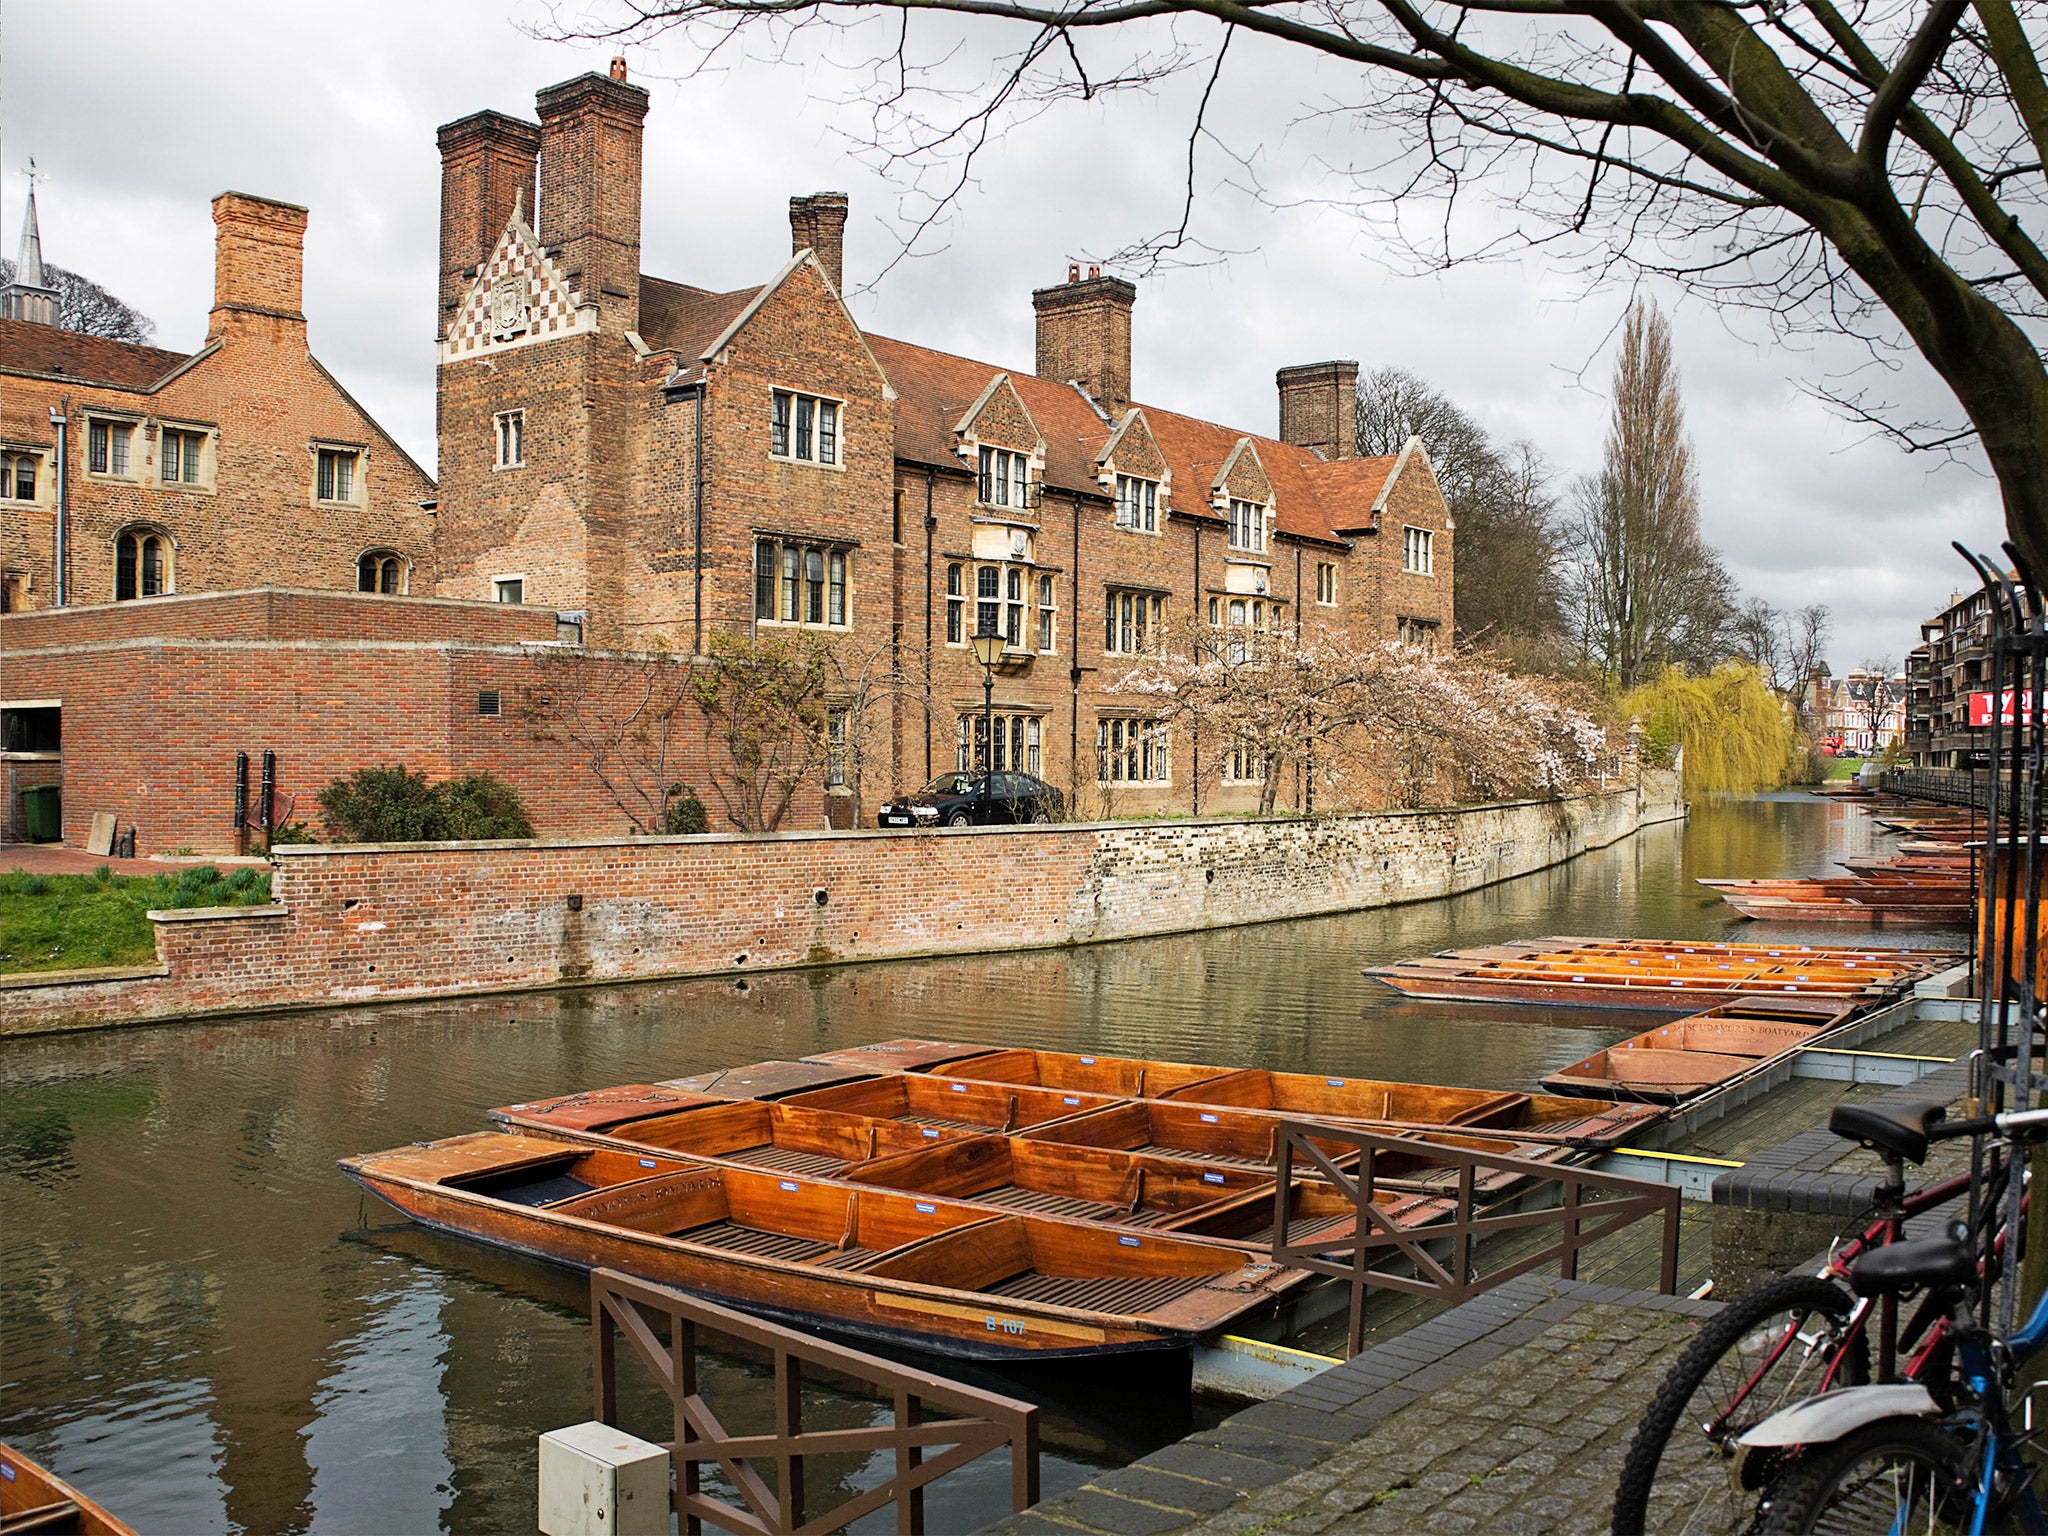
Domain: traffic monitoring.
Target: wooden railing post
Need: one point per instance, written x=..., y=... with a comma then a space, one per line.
x=909, y=1508
x=604, y=1387
x=1667, y=1272
x=1568, y=1268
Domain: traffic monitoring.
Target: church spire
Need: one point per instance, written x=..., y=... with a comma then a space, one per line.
x=31, y=296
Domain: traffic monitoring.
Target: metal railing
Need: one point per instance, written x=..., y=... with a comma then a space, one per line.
x=620, y=1304
x=1373, y=1237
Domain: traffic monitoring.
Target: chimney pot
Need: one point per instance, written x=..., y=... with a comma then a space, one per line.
x=1094, y=269
x=1084, y=335
x=1319, y=407
x=817, y=224
x=619, y=69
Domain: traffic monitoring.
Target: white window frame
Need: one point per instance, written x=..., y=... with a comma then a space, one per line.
x=1130, y=749
x=10, y=460
x=167, y=560
x=1129, y=634
x=337, y=453
x=801, y=424
x=383, y=557
x=1420, y=634
x=1047, y=591
x=508, y=434
x=1017, y=733
x=104, y=428
x=1004, y=479
x=1137, y=504
x=1326, y=584
x=1243, y=765
x=1418, y=551
x=1248, y=525
x=188, y=438
x=499, y=583
x=957, y=598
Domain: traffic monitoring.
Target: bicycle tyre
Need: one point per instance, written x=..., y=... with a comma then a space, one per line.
x=1839, y=1488
x=1794, y=1298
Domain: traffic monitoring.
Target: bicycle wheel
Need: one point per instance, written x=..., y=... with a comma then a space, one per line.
x=1765, y=1350
x=1904, y=1476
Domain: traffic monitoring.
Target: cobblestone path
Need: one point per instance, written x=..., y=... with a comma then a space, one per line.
x=1507, y=1415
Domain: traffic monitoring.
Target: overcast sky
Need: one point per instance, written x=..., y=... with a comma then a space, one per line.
x=138, y=114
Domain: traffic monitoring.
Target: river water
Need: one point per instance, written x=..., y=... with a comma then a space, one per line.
x=206, y=1329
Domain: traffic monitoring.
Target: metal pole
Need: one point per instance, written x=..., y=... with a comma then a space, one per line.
x=988, y=744
x=60, y=418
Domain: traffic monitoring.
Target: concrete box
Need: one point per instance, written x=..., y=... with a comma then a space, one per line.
x=599, y=1481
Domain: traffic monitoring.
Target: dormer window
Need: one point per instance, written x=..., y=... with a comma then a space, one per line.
x=1006, y=479
x=1137, y=504
x=1247, y=526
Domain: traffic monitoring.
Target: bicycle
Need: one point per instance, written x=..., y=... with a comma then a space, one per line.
x=1785, y=1340
x=1899, y=1457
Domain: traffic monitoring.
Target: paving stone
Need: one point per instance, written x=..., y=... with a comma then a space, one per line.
x=1217, y=1466
x=1289, y=1420
x=1260, y=1445
x=1120, y=1516
x=1167, y=1490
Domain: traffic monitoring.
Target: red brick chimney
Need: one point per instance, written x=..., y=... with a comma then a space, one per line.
x=1084, y=335
x=590, y=191
x=818, y=224
x=487, y=163
x=1319, y=407
x=259, y=261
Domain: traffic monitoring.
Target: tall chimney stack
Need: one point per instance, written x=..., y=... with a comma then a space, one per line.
x=818, y=224
x=1084, y=335
x=259, y=260
x=487, y=167
x=1319, y=407
x=590, y=130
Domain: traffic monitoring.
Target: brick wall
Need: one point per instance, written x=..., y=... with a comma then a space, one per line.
x=354, y=925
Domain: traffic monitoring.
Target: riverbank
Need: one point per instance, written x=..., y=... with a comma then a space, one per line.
x=363, y=924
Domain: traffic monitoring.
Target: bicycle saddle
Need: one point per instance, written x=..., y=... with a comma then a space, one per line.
x=1907, y=1266
x=1900, y=1129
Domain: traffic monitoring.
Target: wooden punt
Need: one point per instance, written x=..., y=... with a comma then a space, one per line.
x=1124, y=1077
x=1870, y=864
x=35, y=1499
x=758, y=1132
x=1679, y=1061
x=1659, y=976
x=1245, y=1140
x=1421, y=1107
x=1778, y=907
x=902, y=1269
x=765, y=1079
x=950, y=1102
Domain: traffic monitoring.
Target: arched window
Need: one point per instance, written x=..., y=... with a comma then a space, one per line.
x=142, y=565
x=380, y=570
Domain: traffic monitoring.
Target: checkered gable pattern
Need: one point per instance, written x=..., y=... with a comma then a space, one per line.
x=519, y=296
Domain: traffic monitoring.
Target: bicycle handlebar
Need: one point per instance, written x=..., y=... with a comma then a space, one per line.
x=2005, y=1124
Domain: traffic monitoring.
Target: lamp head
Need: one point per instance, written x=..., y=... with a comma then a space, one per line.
x=988, y=646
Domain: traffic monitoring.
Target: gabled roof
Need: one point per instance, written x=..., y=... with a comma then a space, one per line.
x=26, y=347
x=676, y=317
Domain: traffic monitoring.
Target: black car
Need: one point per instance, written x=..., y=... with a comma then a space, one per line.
x=955, y=800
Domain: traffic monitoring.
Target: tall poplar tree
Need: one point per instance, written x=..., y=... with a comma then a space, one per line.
x=1647, y=590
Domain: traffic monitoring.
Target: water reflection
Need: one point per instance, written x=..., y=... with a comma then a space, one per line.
x=199, y=1329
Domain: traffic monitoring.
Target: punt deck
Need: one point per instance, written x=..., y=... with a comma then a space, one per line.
x=941, y=1275
x=1390, y=1106
x=1665, y=976
x=1675, y=1062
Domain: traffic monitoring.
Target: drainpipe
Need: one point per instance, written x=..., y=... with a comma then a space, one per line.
x=1074, y=639
x=1195, y=731
x=60, y=418
x=931, y=523
x=697, y=518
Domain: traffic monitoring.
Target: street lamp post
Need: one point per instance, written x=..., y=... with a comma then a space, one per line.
x=988, y=650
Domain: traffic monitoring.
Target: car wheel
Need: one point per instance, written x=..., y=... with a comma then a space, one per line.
x=1040, y=819
x=959, y=819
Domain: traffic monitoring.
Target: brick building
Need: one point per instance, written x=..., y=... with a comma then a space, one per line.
x=676, y=462
x=128, y=472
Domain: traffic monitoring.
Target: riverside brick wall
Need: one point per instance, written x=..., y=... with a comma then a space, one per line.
x=356, y=925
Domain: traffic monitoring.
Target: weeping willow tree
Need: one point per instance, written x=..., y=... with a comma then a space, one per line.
x=1736, y=735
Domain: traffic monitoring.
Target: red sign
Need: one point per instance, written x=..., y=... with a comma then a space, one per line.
x=1980, y=708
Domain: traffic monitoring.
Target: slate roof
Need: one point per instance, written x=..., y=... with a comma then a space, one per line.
x=26, y=347
x=685, y=319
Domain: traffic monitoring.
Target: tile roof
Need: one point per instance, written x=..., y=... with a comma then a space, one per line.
x=675, y=315
x=26, y=347
x=1313, y=499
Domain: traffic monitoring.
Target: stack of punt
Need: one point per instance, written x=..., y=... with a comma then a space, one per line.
x=1962, y=862
x=1679, y=1061
x=944, y=1275
x=1421, y=1107
x=34, y=1499
x=1663, y=976
x=1872, y=900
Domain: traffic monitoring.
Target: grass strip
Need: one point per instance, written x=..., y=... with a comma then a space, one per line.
x=74, y=922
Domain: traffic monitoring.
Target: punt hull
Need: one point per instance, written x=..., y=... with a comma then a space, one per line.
x=936, y=1319
x=1675, y=997
x=27, y=1486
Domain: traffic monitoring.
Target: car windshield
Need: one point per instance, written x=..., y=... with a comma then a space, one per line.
x=953, y=784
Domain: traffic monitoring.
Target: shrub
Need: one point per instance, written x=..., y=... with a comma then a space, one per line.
x=292, y=832
x=390, y=805
x=381, y=805
x=684, y=814
x=479, y=808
